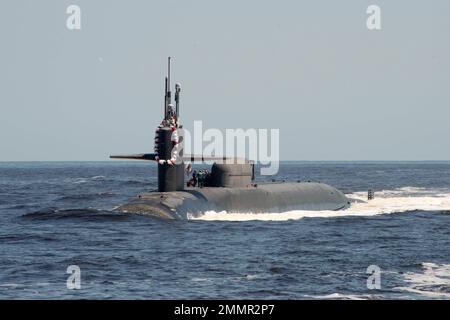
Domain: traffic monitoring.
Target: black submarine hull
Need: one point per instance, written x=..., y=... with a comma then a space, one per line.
x=230, y=184
x=262, y=198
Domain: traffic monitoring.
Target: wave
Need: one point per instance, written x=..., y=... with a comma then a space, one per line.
x=86, y=214
x=406, y=199
x=89, y=196
x=434, y=281
x=76, y=180
x=340, y=296
x=98, y=178
x=79, y=180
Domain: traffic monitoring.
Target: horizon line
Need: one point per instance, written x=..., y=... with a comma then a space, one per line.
x=291, y=160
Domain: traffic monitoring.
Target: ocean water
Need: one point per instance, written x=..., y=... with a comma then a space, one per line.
x=57, y=214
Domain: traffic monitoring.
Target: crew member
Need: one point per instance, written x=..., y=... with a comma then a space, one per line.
x=194, y=178
x=200, y=176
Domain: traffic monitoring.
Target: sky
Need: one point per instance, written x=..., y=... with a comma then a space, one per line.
x=312, y=69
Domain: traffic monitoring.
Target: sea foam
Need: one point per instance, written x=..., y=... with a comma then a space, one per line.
x=386, y=202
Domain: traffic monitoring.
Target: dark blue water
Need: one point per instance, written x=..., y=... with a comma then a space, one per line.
x=53, y=215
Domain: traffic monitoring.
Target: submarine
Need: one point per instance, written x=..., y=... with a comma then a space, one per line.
x=229, y=186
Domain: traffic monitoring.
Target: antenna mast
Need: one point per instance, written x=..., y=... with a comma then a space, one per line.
x=168, y=94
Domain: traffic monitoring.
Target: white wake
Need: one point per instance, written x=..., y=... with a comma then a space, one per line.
x=433, y=282
x=385, y=202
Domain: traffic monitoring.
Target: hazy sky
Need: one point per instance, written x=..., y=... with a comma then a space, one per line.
x=336, y=90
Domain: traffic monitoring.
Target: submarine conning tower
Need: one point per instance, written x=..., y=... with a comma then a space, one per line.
x=168, y=153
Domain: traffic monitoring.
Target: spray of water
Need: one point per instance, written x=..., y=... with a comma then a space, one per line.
x=386, y=202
